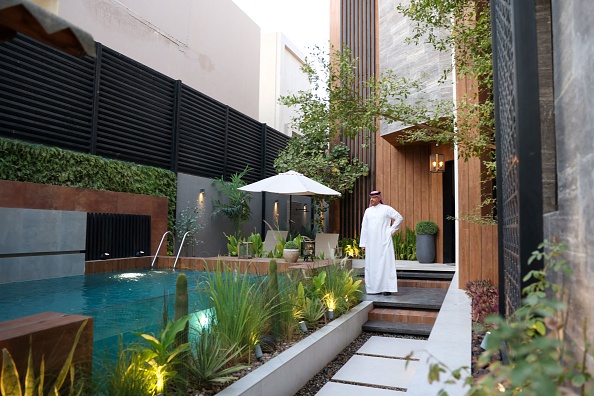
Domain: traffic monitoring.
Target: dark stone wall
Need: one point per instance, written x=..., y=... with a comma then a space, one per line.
x=573, y=61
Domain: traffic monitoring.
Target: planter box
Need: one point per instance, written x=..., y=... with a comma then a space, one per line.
x=289, y=371
x=357, y=263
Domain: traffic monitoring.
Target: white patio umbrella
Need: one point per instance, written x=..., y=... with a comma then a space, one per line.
x=291, y=183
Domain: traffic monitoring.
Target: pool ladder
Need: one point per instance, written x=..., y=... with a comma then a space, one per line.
x=178, y=252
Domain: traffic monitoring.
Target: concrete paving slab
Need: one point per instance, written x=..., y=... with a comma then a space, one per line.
x=377, y=371
x=339, y=389
x=393, y=347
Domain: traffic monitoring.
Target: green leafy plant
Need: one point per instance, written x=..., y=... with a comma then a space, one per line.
x=539, y=360
x=350, y=248
x=212, y=359
x=237, y=208
x=127, y=376
x=25, y=162
x=10, y=382
x=242, y=311
x=257, y=244
x=160, y=358
x=426, y=227
x=405, y=245
x=233, y=244
x=189, y=221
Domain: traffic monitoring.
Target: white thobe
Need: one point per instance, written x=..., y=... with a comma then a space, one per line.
x=376, y=237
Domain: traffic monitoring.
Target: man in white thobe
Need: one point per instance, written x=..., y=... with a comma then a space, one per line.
x=380, y=222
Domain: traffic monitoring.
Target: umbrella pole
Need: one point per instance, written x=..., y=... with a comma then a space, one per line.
x=290, y=210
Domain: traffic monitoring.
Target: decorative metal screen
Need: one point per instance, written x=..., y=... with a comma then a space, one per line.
x=518, y=144
x=111, y=235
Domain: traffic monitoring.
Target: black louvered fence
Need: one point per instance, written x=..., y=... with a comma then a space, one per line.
x=115, y=107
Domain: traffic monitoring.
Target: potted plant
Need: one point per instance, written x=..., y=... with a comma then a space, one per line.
x=426, y=231
x=291, y=252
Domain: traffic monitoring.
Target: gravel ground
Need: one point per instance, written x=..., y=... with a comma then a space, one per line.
x=314, y=385
x=319, y=380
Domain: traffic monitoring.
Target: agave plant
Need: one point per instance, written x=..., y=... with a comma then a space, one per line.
x=211, y=359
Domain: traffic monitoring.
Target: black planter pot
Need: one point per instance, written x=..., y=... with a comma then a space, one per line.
x=425, y=248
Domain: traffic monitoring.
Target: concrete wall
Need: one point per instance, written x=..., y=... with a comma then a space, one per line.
x=412, y=61
x=211, y=46
x=280, y=74
x=574, y=120
x=39, y=244
x=212, y=239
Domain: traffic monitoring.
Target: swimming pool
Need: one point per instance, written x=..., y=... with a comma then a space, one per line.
x=120, y=302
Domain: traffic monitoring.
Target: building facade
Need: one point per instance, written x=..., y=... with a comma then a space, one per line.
x=375, y=32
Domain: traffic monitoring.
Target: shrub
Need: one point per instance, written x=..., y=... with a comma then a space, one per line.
x=485, y=299
x=291, y=245
x=426, y=227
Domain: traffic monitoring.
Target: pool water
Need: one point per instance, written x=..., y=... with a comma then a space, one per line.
x=120, y=302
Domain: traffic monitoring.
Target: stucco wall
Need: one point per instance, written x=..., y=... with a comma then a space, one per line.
x=211, y=46
x=281, y=74
x=574, y=119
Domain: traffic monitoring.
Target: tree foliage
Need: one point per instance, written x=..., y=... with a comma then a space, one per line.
x=468, y=23
x=341, y=104
x=311, y=155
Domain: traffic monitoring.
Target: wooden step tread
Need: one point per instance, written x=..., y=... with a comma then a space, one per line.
x=418, y=329
x=403, y=315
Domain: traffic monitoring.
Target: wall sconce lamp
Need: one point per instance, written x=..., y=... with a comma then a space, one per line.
x=436, y=163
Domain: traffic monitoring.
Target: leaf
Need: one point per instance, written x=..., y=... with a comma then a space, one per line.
x=9, y=379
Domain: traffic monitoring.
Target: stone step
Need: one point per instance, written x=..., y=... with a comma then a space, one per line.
x=410, y=298
x=403, y=315
x=418, y=329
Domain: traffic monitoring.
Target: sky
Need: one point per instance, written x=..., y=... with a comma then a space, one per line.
x=304, y=22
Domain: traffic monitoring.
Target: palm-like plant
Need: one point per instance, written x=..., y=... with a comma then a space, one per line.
x=237, y=208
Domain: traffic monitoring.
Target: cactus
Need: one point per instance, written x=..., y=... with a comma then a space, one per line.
x=273, y=275
x=181, y=304
x=181, y=311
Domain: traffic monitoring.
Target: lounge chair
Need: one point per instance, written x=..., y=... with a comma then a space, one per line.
x=327, y=244
x=273, y=238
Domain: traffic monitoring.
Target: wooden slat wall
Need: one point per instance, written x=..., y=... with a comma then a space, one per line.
x=404, y=179
x=477, y=244
x=406, y=184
